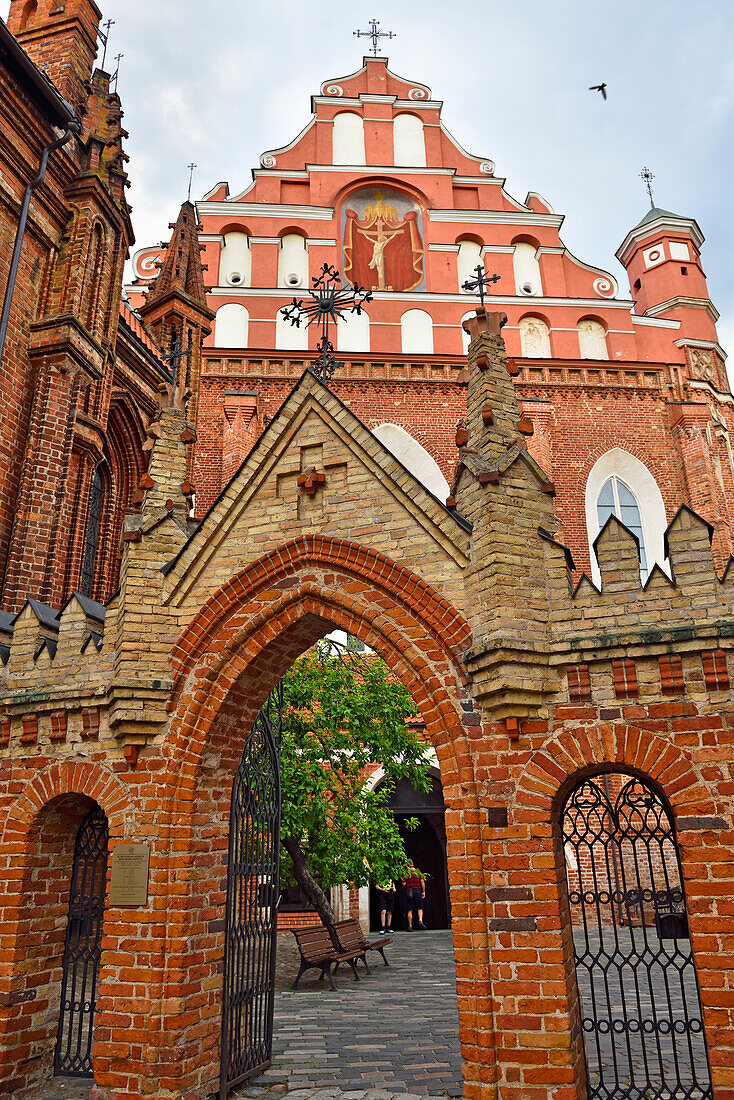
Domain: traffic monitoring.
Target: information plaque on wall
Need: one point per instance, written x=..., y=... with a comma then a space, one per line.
x=129, y=880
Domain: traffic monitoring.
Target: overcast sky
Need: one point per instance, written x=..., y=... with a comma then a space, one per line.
x=220, y=81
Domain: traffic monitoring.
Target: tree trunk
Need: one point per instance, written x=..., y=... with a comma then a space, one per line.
x=307, y=882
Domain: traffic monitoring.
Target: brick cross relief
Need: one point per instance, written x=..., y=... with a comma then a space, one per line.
x=314, y=472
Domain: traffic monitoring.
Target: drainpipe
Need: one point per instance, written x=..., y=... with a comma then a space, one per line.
x=72, y=127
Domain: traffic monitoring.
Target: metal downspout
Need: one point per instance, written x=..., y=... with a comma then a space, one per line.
x=73, y=127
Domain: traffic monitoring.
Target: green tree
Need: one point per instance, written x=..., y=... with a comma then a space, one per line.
x=341, y=713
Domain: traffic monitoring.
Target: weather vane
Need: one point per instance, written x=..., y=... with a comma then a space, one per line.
x=374, y=34
x=105, y=35
x=648, y=177
x=481, y=283
x=329, y=301
x=191, y=178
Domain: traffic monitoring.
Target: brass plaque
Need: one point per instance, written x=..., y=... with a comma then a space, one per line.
x=129, y=881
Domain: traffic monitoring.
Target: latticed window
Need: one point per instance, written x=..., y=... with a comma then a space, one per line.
x=617, y=500
x=94, y=520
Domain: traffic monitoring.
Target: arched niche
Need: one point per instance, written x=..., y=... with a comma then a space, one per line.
x=353, y=332
x=416, y=332
x=289, y=337
x=348, y=138
x=469, y=257
x=592, y=339
x=231, y=326
x=526, y=268
x=293, y=261
x=235, y=259
x=415, y=457
x=535, y=337
x=409, y=142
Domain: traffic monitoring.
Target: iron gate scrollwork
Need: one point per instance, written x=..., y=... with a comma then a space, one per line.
x=82, y=949
x=640, y=1007
x=252, y=902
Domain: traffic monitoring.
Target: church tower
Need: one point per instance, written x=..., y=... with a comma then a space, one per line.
x=61, y=37
x=662, y=255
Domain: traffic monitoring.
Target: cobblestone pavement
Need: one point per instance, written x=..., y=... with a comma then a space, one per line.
x=392, y=1034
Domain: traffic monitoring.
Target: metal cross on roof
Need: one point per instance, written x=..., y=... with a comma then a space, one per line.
x=330, y=300
x=648, y=177
x=105, y=36
x=176, y=354
x=481, y=283
x=374, y=34
x=115, y=75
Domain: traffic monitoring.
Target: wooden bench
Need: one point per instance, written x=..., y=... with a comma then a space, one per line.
x=319, y=953
x=350, y=937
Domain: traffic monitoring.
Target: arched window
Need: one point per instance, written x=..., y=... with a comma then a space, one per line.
x=467, y=261
x=592, y=339
x=415, y=457
x=348, y=139
x=230, y=326
x=94, y=523
x=527, y=269
x=292, y=261
x=353, y=332
x=288, y=337
x=93, y=277
x=416, y=330
x=619, y=484
x=409, y=142
x=617, y=499
x=234, y=260
x=535, y=338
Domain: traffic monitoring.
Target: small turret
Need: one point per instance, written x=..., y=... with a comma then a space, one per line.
x=663, y=261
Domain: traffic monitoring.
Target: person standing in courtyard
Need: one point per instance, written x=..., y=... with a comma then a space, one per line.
x=386, y=902
x=414, y=885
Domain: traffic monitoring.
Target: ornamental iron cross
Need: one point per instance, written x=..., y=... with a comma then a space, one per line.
x=329, y=301
x=374, y=34
x=481, y=283
x=648, y=177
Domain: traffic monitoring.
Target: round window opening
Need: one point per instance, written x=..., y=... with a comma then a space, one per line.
x=293, y=279
x=235, y=278
x=528, y=288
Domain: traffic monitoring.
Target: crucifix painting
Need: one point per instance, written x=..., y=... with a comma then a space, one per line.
x=383, y=241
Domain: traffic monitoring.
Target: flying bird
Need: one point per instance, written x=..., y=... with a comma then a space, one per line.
x=599, y=88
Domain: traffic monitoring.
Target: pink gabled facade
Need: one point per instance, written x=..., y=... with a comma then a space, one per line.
x=377, y=187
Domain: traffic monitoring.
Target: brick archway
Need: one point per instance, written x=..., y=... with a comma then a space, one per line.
x=38, y=841
x=546, y=778
x=234, y=652
x=551, y=770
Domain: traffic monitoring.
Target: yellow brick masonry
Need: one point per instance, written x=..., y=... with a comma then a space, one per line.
x=480, y=624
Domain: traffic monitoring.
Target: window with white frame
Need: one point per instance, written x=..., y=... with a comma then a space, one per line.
x=620, y=484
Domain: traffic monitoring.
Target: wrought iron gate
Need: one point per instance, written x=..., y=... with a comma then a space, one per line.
x=73, y=1053
x=640, y=1008
x=252, y=902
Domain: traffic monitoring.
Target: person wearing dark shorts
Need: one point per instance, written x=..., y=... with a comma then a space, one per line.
x=414, y=892
x=386, y=902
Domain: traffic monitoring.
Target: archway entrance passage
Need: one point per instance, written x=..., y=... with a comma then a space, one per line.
x=252, y=901
x=83, y=948
x=640, y=1007
x=425, y=846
